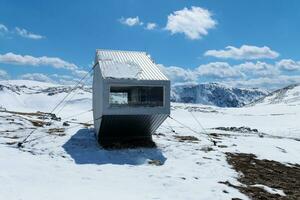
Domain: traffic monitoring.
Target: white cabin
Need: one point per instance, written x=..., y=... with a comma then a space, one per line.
x=131, y=96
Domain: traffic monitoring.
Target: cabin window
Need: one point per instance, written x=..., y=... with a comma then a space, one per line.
x=151, y=96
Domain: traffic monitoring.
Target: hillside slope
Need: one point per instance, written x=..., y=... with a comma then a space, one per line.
x=215, y=94
x=30, y=96
x=286, y=95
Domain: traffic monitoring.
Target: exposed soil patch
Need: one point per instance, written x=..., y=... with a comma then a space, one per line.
x=37, y=123
x=269, y=173
x=186, y=138
x=38, y=114
x=242, y=129
x=206, y=149
x=159, y=134
x=86, y=125
x=155, y=162
x=26, y=113
x=217, y=135
x=57, y=131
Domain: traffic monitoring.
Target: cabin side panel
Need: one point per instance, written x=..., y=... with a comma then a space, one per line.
x=97, y=98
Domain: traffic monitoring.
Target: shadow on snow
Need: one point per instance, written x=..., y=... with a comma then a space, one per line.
x=84, y=149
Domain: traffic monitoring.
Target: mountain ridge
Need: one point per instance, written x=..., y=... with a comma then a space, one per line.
x=215, y=94
x=288, y=94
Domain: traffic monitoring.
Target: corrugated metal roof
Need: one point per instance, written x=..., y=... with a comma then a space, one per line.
x=148, y=69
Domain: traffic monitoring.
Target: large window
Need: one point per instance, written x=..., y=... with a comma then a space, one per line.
x=136, y=96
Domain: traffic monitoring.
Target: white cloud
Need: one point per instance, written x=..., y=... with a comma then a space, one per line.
x=3, y=74
x=36, y=77
x=266, y=82
x=26, y=34
x=67, y=82
x=79, y=73
x=67, y=79
x=258, y=68
x=288, y=65
x=131, y=21
x=216, y=70
x=54, y=78
x=21, y=32
x=27, y=60
x=11, y=58
x=194, y=22
x=246, y=52
x=151, y=26
x=248, y=74
x=179, y=74
x=219, y=70
x=3, y=28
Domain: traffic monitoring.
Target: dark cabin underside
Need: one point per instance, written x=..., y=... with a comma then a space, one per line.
x=128, y=128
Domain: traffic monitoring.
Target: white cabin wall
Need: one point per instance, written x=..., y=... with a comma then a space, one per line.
x=97, y=98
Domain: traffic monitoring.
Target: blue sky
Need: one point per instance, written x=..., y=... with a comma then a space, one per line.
x=187, y=38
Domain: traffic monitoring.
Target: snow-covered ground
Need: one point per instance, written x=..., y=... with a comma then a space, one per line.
x=73, y=166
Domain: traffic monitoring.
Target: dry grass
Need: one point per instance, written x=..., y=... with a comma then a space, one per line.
x=265, y=172
x=187, y=138
x=57, y=131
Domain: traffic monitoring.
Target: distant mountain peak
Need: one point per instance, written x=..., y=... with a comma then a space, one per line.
x=288, y=94
x=215, y=94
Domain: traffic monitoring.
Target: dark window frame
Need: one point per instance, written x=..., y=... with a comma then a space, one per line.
x=139, y=95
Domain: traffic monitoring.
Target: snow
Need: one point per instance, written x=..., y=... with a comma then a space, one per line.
x=28, y=83
x=75, y=167
x=270, y=190
x=288, y=95
x=32, y=96
x=126, y=70
x=215, y=94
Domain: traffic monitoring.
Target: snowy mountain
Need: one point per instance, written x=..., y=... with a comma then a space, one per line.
x=206, y=94
x=236, y=153
x=215, y=94
x=287, y=95
x=31, y=95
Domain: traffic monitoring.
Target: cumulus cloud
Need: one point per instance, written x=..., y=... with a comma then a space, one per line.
x=79, y=73
x=26, y=34
x=151, y=26
x=36, y=77
x=246, y=52
x=11, y=58
x=131, y=21
x=221, y=70
x=179, y=74
x=265, y=82
x=27, y=60
x=67, y=79
x=3, y=74
x=21, y=32
x=53, y=78
x=247, y=74
x=194, y=23
x=258, y=68
x=212, y=71
x=3, y=28
x=288, y=65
